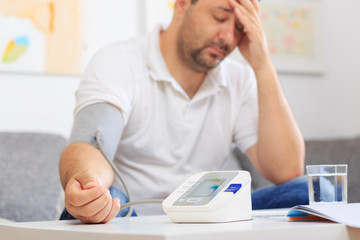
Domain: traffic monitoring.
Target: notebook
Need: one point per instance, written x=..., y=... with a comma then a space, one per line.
x=348, y=214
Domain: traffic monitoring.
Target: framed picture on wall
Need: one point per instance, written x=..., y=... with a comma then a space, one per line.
x=60, y=36
x=294, y=34
x=37, y=37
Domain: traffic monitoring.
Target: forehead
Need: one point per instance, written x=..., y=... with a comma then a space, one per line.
x=214, y=4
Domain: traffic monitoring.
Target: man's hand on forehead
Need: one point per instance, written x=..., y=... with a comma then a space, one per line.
x=253, y=44
x=247, y=13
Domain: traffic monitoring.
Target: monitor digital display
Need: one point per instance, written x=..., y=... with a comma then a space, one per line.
x=206, y=187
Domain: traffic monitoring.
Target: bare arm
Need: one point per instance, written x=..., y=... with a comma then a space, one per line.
x=279, y=153
x=83, y=157
x=84, y=172
x=85, y=176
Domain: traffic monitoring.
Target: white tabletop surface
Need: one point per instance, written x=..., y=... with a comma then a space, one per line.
x=264, y=225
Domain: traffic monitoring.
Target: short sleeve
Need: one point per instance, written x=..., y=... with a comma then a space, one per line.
x=247, y=120
x=107, y=78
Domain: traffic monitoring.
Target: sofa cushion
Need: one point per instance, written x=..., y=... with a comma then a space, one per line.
x=29, y=178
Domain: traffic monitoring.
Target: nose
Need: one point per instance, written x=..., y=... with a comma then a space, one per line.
x=227, y=33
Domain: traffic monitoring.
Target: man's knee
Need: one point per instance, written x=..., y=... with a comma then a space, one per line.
x=286, y=195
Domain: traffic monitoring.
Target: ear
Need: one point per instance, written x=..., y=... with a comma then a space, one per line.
x=181, y=6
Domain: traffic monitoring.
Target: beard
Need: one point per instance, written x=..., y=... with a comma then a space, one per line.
x=195, y=56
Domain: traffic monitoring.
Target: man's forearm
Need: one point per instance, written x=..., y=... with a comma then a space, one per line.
x=280, y=147
x=83, y=157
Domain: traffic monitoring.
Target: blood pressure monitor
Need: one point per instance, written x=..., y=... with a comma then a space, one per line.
x=221, y=196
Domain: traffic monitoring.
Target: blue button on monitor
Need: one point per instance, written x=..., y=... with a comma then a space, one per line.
x=233, y=188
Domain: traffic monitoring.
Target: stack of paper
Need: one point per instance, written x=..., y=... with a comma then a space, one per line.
x=348, y=214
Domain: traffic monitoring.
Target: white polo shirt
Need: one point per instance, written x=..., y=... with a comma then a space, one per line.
x=168, y=136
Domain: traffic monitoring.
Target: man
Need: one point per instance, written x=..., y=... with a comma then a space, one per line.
x=169, y=106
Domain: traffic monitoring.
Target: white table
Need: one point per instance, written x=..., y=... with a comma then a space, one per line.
x=265, y=225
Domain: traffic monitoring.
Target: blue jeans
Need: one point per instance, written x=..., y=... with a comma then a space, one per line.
x=286, y=195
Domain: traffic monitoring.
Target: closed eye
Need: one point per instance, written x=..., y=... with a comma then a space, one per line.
x=221, y=20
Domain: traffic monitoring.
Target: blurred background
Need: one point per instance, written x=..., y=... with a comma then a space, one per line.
x=46, y=44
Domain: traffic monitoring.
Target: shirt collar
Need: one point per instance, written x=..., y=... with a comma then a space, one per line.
x=156, y=62
x=217, y=75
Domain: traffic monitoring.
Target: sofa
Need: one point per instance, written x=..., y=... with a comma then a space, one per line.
x=30, y=184
x=29, y=175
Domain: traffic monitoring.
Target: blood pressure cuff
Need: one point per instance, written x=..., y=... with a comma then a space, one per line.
x=102, y=117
